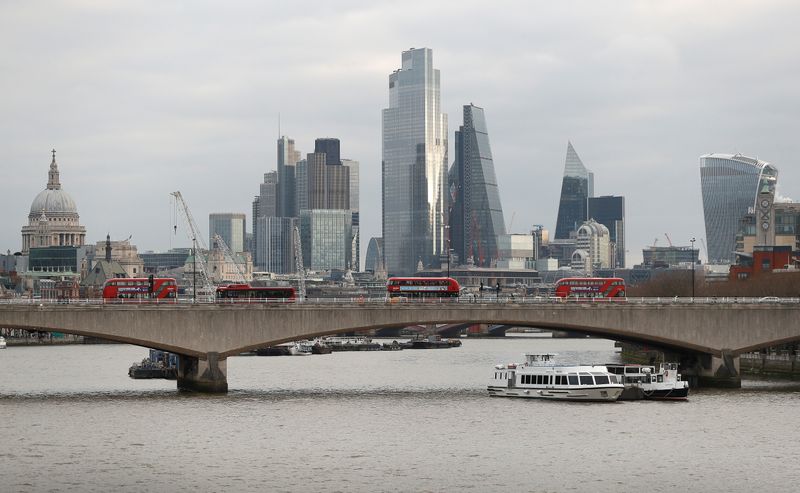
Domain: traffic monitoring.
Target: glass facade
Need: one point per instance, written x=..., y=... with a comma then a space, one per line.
x=230, y=226
x=285, y=193
x=331, y=148
x=609, y=211
x=729, y=185
x=374, y=259
x=475, y=215
x=325, y=235
x=414, y=166
x=275, y=244
x=576, y=187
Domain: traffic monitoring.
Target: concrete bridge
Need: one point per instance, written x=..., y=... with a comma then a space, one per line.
x=204, y=335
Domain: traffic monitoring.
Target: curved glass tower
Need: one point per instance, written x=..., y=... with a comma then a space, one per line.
x=414, y=166
x=476, y=216
x=576, y=188
x=730, y=184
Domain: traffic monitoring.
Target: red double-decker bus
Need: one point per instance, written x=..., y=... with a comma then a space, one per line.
x=590, y=287
x=422, y=287
x=244, y=292
x=140, y=288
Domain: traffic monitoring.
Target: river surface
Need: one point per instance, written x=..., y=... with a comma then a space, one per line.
x=412, y=420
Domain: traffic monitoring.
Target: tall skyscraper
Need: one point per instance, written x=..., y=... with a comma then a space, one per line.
x=287, y=159
x=414, y=166
x=353, y=170
x=609, y=211
x=232, y=227
x=576, y=187
x=327, y=186
x=329, y=147
x=476, y=215
x=730, y=185
x=275, y=244
x=325, y=236
x=265, y=204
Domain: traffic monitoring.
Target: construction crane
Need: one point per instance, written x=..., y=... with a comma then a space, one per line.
x=193, y=232
x=668, y=240
x=298, y=264
x=511, y=223
x=655, y=242
x=229, y=257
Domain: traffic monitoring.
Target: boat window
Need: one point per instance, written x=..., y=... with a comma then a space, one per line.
x=660, y=378
x=573, y=379
x=632, y=370
x=601, y=379
x=586, y=379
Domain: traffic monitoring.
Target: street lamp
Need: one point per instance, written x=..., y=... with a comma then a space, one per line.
x=447, y=227
x=692, y=242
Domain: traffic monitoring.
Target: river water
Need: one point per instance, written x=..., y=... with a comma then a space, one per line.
x=413, y=420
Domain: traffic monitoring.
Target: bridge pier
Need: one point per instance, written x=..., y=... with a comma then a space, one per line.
x=721, y=372
x=209, y=375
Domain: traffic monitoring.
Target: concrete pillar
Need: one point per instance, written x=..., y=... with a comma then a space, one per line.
x=723, y=371
x=209, y=375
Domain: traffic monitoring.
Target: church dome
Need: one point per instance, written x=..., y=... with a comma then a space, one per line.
x=53, y=201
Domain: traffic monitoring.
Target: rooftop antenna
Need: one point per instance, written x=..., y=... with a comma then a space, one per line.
x=279, y=125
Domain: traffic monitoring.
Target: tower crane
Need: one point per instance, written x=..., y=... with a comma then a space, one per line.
x=668, y=240
x=298, y=264
x=229, y=257
x=193, y=232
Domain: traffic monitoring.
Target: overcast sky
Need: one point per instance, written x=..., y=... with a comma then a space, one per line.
x=144, y=98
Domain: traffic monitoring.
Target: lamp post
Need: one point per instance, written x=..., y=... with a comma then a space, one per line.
x=692, y=242
x=447, y=227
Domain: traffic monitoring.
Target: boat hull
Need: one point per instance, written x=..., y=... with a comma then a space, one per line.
x=593, y=394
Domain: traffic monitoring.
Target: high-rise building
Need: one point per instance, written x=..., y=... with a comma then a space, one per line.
x=287, y=160
x=265, y=204
x=730, y=185
x=414, y=166
x=374, y=259
x=609, y=210
x=476, y=215
x=231, y=227
x=593, y=247
x=576, y=187
x=275, y=244
x=325, y=238
x=353, y=170
x=329, y=147
x=327, y=186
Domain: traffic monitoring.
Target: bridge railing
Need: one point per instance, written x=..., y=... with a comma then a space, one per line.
x=382, y=300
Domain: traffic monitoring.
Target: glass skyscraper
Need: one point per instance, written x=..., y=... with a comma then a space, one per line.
x=275, y=244
x=287, y=159
x=325, y=235
x=576, y=187
x=231, y=227
x=609, y=211
x=414, y=166
x=476, y=216
x=730, y=184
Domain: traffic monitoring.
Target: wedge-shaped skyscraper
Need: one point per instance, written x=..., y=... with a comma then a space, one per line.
x=476, y=216
x=414, y=166
x=576, y=188
x=730, y=185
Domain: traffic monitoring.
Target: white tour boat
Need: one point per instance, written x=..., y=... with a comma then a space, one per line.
x=300, y=348
x=2, y=342
x=540, y=378
x=645, y=382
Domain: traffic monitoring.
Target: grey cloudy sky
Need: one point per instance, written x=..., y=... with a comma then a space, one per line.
x=144, y=98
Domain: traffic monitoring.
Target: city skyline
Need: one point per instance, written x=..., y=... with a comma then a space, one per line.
x=130, y=128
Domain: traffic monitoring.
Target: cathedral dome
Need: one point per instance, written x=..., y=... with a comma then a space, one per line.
x=53, y=202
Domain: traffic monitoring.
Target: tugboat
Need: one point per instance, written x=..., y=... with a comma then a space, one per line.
x=539, y=378
x=644, y=382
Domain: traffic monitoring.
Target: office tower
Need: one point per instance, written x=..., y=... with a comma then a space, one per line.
x=576, y=187
x=609, y=211
x=287, y=160
x=414, y=166
x=325, y=236
x=275, y=244
x=301, y=186
x=231, y=227
x=593, y=249
x=730, y=185
x=265, y=204
x=353, y=170
x=373, y=262
x=329, y=147
x=327, y=186
x=476, y=216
